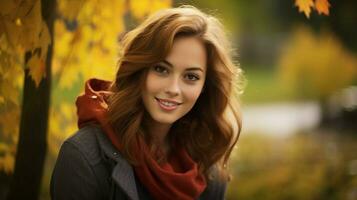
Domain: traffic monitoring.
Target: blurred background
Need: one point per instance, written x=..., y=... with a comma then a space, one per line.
x=299, y=136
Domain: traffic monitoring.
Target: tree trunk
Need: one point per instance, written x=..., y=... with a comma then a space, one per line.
x=31, y=148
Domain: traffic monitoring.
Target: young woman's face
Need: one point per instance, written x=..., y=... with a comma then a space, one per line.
x=173, y=85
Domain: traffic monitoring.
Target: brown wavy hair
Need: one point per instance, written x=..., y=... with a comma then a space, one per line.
x=210, y=130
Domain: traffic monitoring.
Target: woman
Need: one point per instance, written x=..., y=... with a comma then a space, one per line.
x=165, y=128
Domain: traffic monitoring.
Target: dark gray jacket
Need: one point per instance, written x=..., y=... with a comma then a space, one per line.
x=89, y=167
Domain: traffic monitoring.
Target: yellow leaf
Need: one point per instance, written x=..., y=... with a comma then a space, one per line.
x=3, y=147
x=68, y=110
x=142, y=8
x=15, y=9
x=23, y=25
x=5, y=46
x=8, y=6
x=322, y=6
x=44, y=40
x=159, y=4
x=11, y=70
x=305, y=6
x=36, y=66
x=307, y=56
x=9, y=121
x=18, y=22
x=12, y=32
x=24, y=8
x=2, y=100
x=31, y=27
x=139, y=9
x=70, y=75
x=70, y=8
x=9, y=161
x=9, y=91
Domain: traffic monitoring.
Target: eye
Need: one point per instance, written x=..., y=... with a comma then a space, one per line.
x=192, y=77
x=160, y=69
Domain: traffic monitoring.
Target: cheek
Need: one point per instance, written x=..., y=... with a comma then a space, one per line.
x=153, y=84
x=192, y=94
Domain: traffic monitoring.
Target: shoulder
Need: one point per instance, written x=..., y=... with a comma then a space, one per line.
x=73, y=176
x=84, y=142
x=84, y=136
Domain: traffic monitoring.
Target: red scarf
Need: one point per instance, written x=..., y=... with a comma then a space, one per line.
x=178, y=178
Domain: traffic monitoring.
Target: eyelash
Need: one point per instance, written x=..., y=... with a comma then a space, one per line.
x=196, y=77
x=160, y=67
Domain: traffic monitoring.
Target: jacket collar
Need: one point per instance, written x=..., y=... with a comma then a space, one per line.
x=123, y=173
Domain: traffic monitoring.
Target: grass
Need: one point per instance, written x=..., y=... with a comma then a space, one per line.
x=304, y=166
x=264, y=86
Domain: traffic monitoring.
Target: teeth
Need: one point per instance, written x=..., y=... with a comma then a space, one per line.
x=168, y=103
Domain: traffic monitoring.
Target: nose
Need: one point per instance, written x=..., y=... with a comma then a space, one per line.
x=173, y=87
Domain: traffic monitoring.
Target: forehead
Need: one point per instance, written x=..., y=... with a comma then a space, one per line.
x=188, y=52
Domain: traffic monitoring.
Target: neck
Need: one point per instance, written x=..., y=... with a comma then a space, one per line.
x=158, y=134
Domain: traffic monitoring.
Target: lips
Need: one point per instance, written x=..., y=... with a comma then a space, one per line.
x=167, y=105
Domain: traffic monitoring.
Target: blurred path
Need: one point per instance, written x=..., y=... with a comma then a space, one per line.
x=281, y=119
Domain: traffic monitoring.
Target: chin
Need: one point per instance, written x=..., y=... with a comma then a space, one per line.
x=164, y=120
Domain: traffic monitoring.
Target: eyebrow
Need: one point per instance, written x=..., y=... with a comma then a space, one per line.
x=189, y=69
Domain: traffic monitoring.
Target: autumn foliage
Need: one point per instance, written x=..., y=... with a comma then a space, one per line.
x=305, y=6
x=86, y=44
x=86, y=38
x=316, y=65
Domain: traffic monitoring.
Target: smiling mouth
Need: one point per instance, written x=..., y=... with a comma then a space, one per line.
x=167, y=105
